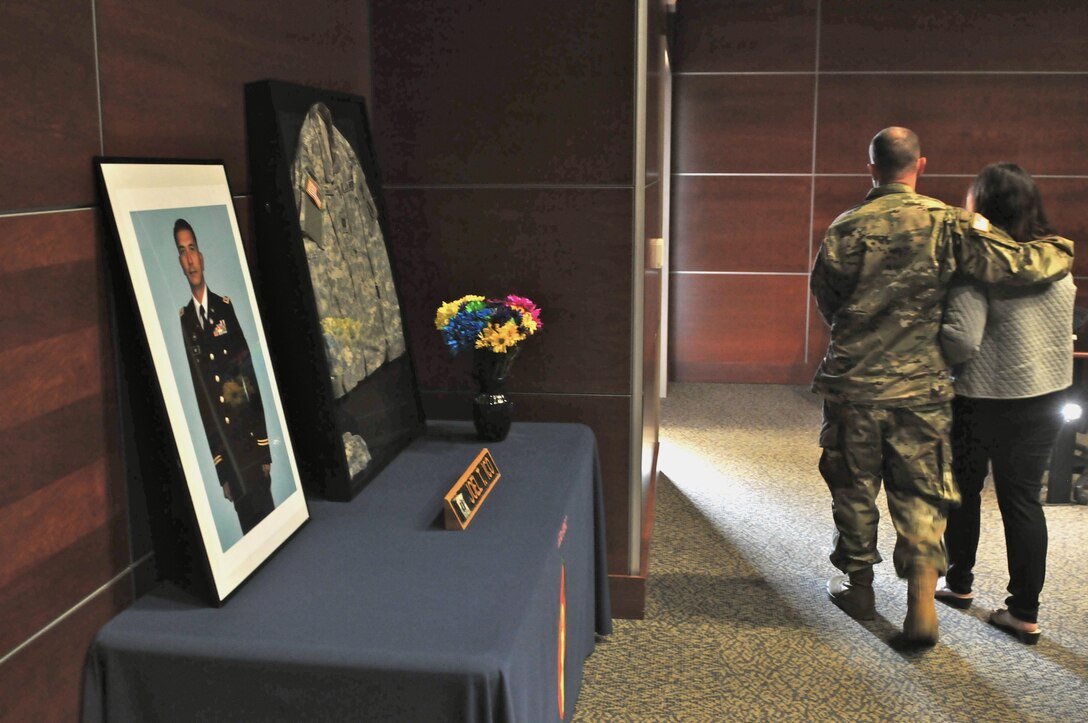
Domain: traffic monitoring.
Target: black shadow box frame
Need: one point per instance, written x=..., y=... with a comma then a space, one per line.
x=384, y=408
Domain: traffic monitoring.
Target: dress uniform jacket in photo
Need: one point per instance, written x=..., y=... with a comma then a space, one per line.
x=228, y=397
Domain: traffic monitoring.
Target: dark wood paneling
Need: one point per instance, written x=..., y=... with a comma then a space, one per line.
x=62, y=513
x=40, y=594
x=50, y=117
x=42, y=682
x=961, y=35
x=74, y=365
x=746, y=35
x=243, y=210
x=609, y=418
x=628, y=596
x=42, y=524
x=1082, y=300
x=744, y=124
x=50, y=276
x=1063, y=199
x=950, y=189
x=38, y=240
x=737, y=328
x=174, y=88
x=52, y=446
x=567, y=250
x=48, y=301
x=729, y=223
x=963, y=121
x=511, y=92
x=730, y=372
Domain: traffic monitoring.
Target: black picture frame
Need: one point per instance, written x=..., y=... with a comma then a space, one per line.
x=205, y=437
x=384, y=409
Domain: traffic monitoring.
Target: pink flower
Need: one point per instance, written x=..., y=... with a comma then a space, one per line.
x=526, y=305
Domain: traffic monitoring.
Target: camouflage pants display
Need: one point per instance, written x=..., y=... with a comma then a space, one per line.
x=908, y=449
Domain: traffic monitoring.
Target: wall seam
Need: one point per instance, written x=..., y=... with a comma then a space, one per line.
x=738, y=273
x=807, y=331
x=638, y=300
x=45, y=211
x=605, y=395
x=506, y=186
x=877, y=72
x=711, y=174
x=75, y=608
x=98, y=78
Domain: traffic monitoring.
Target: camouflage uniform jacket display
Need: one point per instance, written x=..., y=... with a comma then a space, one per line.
x=880, y=281
x=345, y=251
x=226, y=392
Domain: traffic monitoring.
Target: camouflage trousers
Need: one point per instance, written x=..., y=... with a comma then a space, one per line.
x=908, y=449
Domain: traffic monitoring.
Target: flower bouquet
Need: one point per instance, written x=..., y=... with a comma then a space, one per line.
x=493, y=329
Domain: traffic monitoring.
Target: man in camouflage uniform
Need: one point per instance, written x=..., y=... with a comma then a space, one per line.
x=348, y=263
x=880, y=281
x=226, y=389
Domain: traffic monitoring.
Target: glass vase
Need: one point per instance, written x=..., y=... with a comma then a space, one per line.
x=492, y=410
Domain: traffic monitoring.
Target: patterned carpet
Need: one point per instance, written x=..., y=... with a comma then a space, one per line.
x=738, y=626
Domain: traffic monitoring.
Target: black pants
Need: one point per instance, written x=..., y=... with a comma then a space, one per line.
x=1015, y=436
x=257, y=503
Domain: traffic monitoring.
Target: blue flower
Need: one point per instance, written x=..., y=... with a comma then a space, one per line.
x=463, y=329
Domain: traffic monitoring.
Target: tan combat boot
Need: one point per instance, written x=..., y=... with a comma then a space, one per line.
x=920, y=625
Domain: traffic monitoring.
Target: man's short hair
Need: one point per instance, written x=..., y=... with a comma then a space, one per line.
x=893, y=151
x=182, y=225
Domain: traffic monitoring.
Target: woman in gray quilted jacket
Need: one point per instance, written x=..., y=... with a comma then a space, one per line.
x=1011, y=351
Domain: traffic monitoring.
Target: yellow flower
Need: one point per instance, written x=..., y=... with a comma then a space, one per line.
x=449, y=309
x=528, y=321
x=445, y=312
x=499, y=338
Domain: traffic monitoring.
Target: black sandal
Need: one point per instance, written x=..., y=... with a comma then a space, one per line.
x=1008, y=622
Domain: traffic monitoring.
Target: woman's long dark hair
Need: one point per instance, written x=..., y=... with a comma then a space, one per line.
x=1007, y=195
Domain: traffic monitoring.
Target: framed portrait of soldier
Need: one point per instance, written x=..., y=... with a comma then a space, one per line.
x=192, y=344
x=330, y=285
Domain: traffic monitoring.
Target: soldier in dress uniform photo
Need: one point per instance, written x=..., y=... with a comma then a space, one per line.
x=226, y=388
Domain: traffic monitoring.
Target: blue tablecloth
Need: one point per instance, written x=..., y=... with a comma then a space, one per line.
x=374, y=612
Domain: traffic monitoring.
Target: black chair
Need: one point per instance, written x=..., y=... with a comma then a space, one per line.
x=1067, y=478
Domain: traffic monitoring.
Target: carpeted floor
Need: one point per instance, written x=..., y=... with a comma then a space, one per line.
x=738, y=626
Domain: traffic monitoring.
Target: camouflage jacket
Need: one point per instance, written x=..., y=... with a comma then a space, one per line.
x=345, y=252
x=880, y=281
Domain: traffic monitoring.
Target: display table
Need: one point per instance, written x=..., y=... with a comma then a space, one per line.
x=374, y=612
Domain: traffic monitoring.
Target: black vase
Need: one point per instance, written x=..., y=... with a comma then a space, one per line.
x=492, y=410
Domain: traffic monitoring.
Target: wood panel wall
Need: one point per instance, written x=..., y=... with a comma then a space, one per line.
x=775, y=104
x=505, y=132
x=80, y=78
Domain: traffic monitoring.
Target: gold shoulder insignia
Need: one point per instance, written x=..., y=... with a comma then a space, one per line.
x=226, y=299
x=980, y=223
